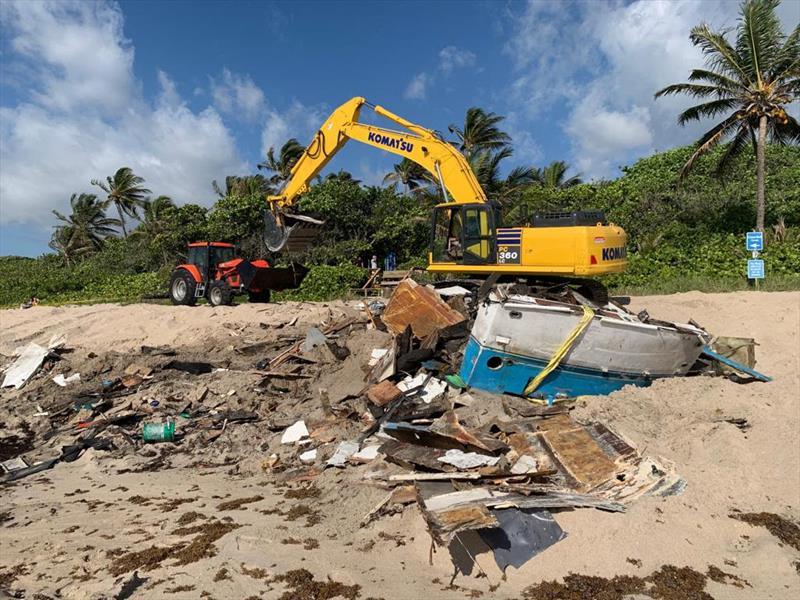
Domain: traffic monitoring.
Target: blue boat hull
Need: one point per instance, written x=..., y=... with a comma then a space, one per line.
x=505, y=373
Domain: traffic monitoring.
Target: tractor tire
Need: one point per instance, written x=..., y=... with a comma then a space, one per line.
x=181, y=288
x=219, y=294
x=259, y=297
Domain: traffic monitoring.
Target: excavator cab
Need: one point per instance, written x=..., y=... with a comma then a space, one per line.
x=463, y=234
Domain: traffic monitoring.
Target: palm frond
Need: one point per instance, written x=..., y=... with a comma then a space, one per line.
x=102, y=185
x=735, y=147
x=721, y=82
x=693, y=89
x=572, y=181
x=520, y=176
x=759, y=38
x=706, y=110
x=709, y=140
x=720, y=55
x=480, y=132
x=787, y=132
x=787, y=61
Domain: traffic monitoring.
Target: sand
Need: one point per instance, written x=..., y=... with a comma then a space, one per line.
x=66, y=532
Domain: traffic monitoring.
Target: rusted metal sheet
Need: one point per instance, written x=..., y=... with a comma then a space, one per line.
x=421, y=308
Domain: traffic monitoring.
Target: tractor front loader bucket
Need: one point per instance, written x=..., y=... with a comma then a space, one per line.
x=293, y=232
x=276, y=279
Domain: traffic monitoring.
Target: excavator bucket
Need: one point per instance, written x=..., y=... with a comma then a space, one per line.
x=297, y=232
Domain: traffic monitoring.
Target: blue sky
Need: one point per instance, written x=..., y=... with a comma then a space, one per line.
x=187, y=92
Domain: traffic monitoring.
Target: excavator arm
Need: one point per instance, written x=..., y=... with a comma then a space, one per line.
x=446, y=164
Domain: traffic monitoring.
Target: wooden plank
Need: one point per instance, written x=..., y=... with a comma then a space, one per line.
x=557, y=422
x=581, y=456
x=433, y=476
x=612, y=444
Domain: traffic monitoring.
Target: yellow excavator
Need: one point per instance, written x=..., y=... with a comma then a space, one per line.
x=466, y=238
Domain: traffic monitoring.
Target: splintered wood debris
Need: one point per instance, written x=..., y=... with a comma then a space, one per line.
x=449, y=511
x=420, y=307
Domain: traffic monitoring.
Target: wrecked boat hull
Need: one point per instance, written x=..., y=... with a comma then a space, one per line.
x=516, y=371
x=512, y=341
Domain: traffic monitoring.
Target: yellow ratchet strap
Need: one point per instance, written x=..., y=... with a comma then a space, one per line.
x=588, y=315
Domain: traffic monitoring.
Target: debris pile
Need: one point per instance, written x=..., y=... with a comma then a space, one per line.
x=384, y=394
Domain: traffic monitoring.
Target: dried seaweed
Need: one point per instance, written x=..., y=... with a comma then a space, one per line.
x=782, y=528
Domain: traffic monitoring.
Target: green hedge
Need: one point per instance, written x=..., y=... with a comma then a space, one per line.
x=710, y=256
x=715, y=262
x=325, y=282
x=21, y=278
x=52, y=283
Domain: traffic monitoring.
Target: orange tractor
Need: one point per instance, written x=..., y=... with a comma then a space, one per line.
x=212, y=271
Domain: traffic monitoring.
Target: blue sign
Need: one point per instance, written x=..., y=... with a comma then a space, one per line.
x=755, y=241
x=755, y=268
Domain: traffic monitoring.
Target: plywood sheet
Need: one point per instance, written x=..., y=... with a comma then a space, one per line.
x=581, y=456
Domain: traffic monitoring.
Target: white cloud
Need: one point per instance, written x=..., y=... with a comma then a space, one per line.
x=451, y=57
x=527, y=150
x=298, y=121
x=86, y=117
x=74, y=53
x=602, y=135
x=370, y=174
x=169, y=91
x=602, y=62
x=417, y=87
x=238, y=95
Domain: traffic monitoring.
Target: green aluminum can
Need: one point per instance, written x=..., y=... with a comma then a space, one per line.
x=159, y=432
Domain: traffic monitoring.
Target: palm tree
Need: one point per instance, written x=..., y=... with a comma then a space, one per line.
x=408, y=173
x=281, y=167
x=126, y=192
x=517, y=180
x=63, y=243
x=554, y=176
x=153, y=217
x=486, y=166
x=342, y=176
x=246, y=185
x=85, y=229
x=752, y=81
x=480, y=132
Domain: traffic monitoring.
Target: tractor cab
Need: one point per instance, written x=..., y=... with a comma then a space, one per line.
x=206, y=256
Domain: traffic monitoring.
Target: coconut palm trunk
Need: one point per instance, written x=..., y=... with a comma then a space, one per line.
x=761, y=150
x=122, y=221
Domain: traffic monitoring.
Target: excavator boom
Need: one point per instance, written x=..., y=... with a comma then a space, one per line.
x=421, y=145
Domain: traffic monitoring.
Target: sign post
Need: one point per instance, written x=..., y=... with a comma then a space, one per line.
x=754, y=242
